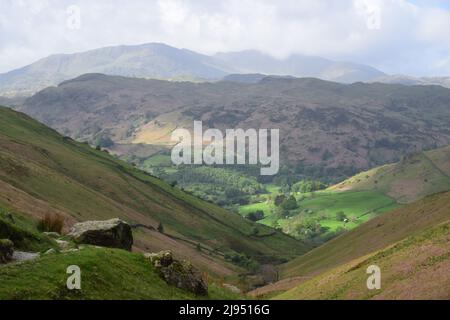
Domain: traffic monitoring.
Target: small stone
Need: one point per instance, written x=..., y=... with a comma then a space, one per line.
x=53, y=235
x=50, y=251
x=24, y=256
x=232, y=288
x=64, y=245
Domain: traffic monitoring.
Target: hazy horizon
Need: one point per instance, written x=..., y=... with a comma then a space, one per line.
x=394, y=36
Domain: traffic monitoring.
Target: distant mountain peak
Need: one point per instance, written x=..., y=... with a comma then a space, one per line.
x=160, y=61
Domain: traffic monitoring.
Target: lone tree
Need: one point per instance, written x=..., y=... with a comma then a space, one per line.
x=340, y=216
x=290, y=203
x=160, y=228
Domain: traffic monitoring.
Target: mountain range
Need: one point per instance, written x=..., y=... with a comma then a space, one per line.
x=160, y=61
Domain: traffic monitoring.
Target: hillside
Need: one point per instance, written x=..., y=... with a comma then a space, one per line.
x=160, y=61
x=413, y=269
x=372, y=236
x=327, y=130
x=409, y=80
x=43, y=172
x=107, y=274
x=414, y=177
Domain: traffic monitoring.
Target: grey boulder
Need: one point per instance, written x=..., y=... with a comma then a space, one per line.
x=181, y=274
x=114, y=233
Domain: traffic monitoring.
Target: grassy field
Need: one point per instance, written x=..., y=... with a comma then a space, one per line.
x=105, y=274
x=358, y=207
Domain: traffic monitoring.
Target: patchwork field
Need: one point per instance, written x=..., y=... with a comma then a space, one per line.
x=325, y=207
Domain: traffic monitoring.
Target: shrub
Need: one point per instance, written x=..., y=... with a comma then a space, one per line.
x=243, y=261
x=255, y=231
x=6, y=250
x=289, y=204
x=279, y=199
x=51, y=223
x=255, y=216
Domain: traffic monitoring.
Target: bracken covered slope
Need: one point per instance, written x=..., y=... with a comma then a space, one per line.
x=367, y=239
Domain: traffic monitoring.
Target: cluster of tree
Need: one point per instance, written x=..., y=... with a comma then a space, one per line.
x=305, y=186
x=255, y=216
x=221, y=186
x=233, y=180
x=286, y=203
x=309, y=228
x=243, y=261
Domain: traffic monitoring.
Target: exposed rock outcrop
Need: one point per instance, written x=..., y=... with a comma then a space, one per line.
x=181, y=274
x=114, y=233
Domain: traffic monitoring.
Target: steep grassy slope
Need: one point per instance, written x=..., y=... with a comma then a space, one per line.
x=370, y=237
x=105, y=274
x=415, y=268
x=43, y=172
x=414, y=177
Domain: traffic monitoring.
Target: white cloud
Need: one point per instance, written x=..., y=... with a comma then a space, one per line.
x=394, y=35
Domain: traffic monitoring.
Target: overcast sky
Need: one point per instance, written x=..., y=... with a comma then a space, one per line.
x=396, y=36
